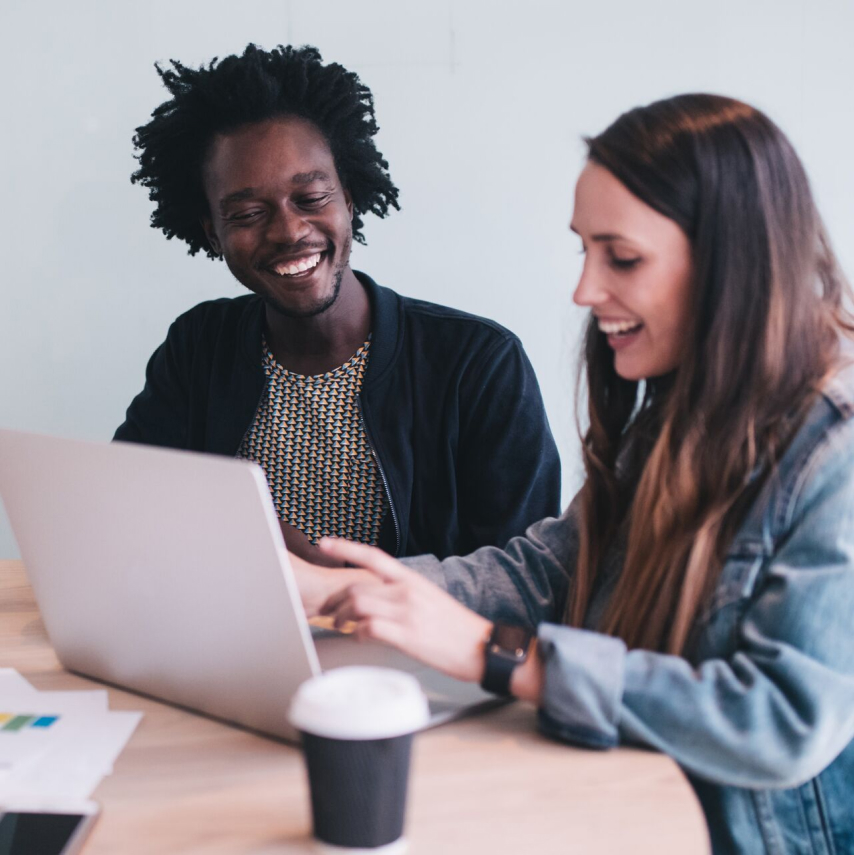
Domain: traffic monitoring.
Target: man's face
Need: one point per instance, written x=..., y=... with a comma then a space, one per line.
x=279, y=214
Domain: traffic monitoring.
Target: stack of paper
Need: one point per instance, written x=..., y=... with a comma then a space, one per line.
x=55, y=746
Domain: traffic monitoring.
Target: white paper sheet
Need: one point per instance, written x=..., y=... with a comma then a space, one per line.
x=11, y=681
x=65, y=761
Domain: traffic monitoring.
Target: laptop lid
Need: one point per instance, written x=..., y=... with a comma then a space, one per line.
x=166, y=572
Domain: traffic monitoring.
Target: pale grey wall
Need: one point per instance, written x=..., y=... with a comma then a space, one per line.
x=481, y=103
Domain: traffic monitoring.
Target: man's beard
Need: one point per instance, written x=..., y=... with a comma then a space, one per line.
x=326, y=302
x=310, y=311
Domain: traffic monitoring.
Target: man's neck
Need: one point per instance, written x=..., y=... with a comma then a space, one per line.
x=319, y=343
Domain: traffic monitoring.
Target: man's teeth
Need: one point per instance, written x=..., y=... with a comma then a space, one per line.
x=618, y=327
x=291, y=268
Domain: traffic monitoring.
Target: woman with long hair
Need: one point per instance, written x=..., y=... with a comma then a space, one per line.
x=697, y=595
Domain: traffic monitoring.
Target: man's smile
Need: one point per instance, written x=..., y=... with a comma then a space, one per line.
x=300, y=265
x=295, y=267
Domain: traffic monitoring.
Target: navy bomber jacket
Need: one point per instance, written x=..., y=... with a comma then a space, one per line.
x=451, y=407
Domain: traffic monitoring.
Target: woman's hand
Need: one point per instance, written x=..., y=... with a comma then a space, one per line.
x=316, y=584
x=408, y=612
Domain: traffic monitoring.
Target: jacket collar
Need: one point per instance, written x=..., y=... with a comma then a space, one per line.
x=386, y=329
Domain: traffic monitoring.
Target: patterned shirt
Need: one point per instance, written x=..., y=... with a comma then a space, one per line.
x=309, y=438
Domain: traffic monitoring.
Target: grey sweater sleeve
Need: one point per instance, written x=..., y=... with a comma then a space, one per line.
x=524, y=583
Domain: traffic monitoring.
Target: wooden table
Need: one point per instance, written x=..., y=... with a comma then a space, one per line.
x=491, y=784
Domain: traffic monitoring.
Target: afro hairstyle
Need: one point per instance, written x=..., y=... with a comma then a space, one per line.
x=239, y=90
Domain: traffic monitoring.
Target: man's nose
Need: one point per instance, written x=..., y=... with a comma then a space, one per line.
x=287, y=225
x=590, y=290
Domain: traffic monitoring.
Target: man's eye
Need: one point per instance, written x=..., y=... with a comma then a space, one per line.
x=312, y=201
x=242, y=216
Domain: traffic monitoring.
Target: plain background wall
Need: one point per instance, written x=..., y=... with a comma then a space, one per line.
x=481, y=106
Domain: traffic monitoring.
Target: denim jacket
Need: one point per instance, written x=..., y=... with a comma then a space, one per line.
x=760, y=712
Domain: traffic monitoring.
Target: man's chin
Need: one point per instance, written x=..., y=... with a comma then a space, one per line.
x=303, y=308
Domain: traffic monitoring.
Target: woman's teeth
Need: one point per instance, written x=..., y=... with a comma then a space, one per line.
x=619, y=327
x=291, y=268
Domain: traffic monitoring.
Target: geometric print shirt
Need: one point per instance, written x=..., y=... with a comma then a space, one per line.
x=309, y=438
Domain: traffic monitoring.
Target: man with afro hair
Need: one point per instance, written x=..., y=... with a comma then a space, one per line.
x=375, y=417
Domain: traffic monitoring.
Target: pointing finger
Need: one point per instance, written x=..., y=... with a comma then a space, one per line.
x=368, y=557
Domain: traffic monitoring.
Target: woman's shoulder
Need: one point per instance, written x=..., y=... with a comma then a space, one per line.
x=806, y=506
x=838, y=388
x=820, y=456
x=828, y=427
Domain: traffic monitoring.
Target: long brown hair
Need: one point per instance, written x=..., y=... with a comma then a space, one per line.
x=673, y=461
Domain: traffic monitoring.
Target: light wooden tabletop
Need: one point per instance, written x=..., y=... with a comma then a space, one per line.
x=491, y=784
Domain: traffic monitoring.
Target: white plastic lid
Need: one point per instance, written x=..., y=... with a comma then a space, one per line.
x=360, y=702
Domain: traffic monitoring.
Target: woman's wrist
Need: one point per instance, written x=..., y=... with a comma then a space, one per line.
x=526, y=682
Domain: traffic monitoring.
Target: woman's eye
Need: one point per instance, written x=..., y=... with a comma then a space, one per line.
x=624, y=263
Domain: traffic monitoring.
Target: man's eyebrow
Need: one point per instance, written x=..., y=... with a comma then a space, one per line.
x=237, y=196
x=308, y=177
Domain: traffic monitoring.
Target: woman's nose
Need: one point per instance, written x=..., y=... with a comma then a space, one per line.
x=590, y=290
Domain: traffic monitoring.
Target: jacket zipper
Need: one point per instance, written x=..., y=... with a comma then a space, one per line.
x=382, y=476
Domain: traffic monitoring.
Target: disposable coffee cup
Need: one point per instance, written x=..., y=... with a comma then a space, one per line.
x=357, y=725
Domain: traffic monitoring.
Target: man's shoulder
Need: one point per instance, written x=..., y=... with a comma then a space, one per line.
x=227, y=325
x=216, y=314
x=219, y=307
x=457, y=321
x=442, y=325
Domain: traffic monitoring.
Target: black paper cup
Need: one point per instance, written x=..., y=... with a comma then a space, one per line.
x=357, y=725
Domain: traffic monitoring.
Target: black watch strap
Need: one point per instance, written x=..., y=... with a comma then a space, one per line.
x=507, y=647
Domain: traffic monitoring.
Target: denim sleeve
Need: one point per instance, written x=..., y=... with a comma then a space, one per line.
x=525, y=583
x=777, y=711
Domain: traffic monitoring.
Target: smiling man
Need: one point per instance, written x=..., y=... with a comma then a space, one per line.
x=375, y=417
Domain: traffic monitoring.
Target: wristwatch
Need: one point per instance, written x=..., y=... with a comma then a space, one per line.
x=507, y=647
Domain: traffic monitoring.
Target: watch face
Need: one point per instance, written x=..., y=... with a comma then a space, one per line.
x=513, y=640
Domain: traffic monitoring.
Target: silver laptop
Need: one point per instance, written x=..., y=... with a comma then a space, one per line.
x=166, y=572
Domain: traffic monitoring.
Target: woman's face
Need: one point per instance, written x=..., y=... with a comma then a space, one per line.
x=636, y=277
